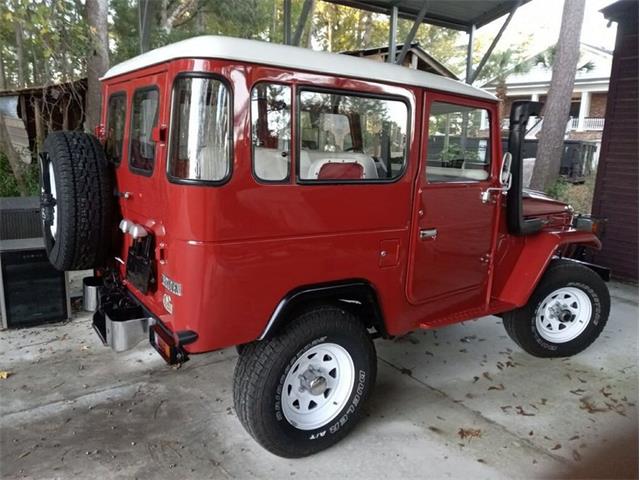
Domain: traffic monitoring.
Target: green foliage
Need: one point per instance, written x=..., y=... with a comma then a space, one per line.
x=559, y=189
x=8, y=184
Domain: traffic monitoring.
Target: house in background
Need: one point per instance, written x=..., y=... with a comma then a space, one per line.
x=589, y=99
x=416, y=58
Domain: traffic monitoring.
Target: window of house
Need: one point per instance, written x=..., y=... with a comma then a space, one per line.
x=351, y=137
x=459, y=147
x=144, y=117
x=116, y=111
x=200, y=130
x=271, y=131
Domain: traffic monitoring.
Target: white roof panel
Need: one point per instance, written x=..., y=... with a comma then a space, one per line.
x=273, y=54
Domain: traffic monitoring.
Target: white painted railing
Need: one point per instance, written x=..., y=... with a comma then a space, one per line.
x=589, y=123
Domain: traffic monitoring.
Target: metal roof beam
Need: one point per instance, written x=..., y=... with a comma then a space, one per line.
x=495, y=41
x=412, y=33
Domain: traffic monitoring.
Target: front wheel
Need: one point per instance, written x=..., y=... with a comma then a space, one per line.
x=566, y=313
x=303, y=390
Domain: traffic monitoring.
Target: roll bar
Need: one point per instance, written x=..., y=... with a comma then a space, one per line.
x=520, y=112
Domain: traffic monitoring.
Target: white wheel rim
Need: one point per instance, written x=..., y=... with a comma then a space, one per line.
x=53, y=228
x=563, y=315
x=317, y=386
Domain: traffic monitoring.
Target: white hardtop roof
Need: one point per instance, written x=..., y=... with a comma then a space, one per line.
x=274, y=54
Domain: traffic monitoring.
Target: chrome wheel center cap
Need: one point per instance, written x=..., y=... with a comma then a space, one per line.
x=318, y=385
x=313, y=382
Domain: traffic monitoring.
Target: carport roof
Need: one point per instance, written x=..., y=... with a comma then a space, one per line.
x=456, y=14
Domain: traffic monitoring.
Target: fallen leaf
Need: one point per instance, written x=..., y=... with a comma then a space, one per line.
x=575, y=437
x=475, y=379
x=487, y=376
x=469, y=433
x=590, y=407
x=4, y=374
x=557, y=447
x=577, y=391
x=505, y=408
x=521, y=411
x=496, y=387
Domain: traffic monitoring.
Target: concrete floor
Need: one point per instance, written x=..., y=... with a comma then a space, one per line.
x=72, y=408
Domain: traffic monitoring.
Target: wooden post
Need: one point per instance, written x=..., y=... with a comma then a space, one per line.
x=37, y=113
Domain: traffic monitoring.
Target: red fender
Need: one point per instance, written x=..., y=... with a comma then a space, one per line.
x=535, y=254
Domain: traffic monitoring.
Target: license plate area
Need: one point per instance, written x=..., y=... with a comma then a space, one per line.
x=140, y=264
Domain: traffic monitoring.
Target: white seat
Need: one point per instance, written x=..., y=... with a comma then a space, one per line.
x=269, y=164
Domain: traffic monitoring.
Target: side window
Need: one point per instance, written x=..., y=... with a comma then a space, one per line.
x=351, y=137
x=144, y=117
x=116, y=111
x=200, y=130
x=459, y=148
x=271, y=131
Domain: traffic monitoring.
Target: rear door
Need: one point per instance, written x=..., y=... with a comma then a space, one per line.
x=146, y=148
x=453, y=231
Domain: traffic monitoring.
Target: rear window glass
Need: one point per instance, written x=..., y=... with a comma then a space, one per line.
x=351, y=137
x=116, y=111
x=200, y=130
x=143, y=120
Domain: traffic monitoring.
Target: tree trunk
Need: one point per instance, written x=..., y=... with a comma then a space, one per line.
x=19, y=53
x=97, y=59
x=501, y=93
x=18, y=167
x=558, y=104
x=146, y=11
x=3, y=76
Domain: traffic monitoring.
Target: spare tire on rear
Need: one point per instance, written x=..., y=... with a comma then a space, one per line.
x=77, y=201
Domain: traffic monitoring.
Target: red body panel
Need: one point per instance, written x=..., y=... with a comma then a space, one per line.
x=237, y=249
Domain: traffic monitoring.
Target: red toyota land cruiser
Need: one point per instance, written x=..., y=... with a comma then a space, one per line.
x=298, y=204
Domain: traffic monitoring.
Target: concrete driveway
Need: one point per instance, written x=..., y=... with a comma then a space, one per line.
x=461, y=402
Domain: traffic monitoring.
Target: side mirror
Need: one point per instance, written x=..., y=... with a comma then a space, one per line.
x=505, y=179
x=505, y=171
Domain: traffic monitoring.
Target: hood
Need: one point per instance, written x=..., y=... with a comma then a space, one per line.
x=536, y=203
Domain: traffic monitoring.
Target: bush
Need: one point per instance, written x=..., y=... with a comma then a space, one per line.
x=9, y=185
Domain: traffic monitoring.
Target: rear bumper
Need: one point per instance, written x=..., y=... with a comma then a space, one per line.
x=122, y=322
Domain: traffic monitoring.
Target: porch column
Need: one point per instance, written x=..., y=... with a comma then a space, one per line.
x=585, y=106
x=535, y=97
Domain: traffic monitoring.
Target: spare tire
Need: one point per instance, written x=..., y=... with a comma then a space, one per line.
x=77, y=201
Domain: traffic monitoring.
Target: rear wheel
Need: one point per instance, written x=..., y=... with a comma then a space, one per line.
x=566, y=313
x=77, y=201
x=303, y=390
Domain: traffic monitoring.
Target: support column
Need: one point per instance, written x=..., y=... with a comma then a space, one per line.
x=585, y=106
x=393, y=32
x=469, y=73
x=535, y=97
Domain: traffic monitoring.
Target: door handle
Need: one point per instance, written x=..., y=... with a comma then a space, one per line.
x=427, y=233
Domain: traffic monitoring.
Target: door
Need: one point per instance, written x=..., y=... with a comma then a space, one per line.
x=453, y=228
x=145, y=148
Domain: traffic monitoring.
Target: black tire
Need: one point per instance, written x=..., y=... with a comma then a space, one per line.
x=521, y=324
x=83, y=201
x=263, y=366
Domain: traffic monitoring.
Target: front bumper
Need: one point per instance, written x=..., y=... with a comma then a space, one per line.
x=122, y=322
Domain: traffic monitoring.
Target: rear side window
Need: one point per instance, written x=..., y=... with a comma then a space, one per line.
x=144, y=117
x=351, y=137
x=116, y=111
x=271, y=131
x=459, y=144
x=200, y=130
